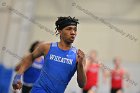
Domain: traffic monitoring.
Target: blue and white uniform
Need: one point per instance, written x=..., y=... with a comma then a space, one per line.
x=32, y=73
x=57, y=71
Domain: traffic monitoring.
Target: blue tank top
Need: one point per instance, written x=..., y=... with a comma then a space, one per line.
x=33, y=72
x=58, y=69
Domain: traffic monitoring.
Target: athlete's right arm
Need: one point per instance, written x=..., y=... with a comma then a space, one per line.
x=18, y=65
x=27, y=62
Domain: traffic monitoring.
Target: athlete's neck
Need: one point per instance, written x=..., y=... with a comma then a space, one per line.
x=64, y=45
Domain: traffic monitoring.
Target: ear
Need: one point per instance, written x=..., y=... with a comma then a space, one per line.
x=60, y=32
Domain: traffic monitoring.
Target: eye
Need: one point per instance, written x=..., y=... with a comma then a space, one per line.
x=68, y=29
x=75, y=29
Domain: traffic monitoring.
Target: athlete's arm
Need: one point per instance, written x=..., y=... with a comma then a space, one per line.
x=126, y=78
x=18, y=65
x=126, y=74
x=27, y=61
x=81, y=76
x=87, y=64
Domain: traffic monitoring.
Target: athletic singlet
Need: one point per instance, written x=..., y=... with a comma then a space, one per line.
x=32, y=73
x=117, y=78
x=58, y=69
x=92, y=76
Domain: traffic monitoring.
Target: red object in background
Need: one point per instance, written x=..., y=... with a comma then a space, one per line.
x=92, y=76
x=117, y=78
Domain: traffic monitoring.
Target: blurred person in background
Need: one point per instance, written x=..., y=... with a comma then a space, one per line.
x=117, y=75
x=33, y=72
x=92, y=71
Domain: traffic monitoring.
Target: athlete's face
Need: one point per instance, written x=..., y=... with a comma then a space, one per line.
x=93, y=56
x=117, y=62
x=68, y=34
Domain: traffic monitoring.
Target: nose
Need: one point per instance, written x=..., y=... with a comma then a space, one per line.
x=73, y=32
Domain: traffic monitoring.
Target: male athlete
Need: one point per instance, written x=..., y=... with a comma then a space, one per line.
x=60, y=63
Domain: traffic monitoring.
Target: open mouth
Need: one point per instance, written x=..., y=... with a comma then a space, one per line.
x=73, y=37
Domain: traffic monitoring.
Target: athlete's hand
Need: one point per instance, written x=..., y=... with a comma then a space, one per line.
x=81, y=75
x=17, y=82
x=80, y=57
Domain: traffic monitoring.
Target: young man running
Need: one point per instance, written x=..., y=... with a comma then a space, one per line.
x=61, y=61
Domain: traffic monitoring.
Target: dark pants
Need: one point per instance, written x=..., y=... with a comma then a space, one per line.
x=114, y=90
x=26, y=89
x=85, y=91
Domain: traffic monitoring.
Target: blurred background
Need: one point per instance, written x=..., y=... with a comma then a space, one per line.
x=111, y=27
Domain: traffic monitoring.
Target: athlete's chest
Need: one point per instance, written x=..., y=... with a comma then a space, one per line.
x=65, y=59
x=117, y=74
x=61, y=58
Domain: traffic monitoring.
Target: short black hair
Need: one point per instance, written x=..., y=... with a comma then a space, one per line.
x=32, y=47
x=63, y=20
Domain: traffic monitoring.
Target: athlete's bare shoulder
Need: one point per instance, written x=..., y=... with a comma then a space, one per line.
x=45, y=46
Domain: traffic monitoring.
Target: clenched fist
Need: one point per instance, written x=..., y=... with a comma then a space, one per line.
x=17, y=82
x=80, y=57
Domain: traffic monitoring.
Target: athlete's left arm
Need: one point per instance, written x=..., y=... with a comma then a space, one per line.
x=126, y=74
x=81, y=76
x=126, y=77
